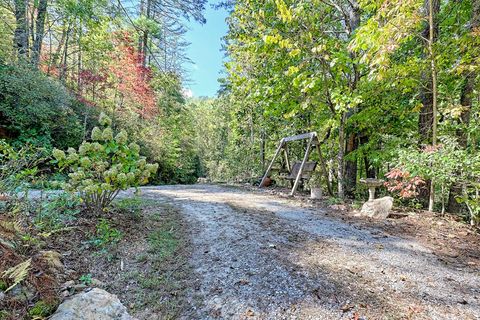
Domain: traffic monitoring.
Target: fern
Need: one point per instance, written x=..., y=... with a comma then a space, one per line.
x=11, y=226
x=17, y=273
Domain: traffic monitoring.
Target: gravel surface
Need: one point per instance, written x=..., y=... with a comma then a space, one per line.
x=257, y=256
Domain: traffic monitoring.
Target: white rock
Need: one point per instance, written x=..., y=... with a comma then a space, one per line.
x=96, y=304
x=316, y=193
x=203, y=180
x=377, y=208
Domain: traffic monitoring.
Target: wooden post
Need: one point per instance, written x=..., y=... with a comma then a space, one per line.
x=287, y=161
x=300, y=171
x=280, y=145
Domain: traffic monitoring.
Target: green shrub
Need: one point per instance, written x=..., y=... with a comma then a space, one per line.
x=3, y=285
x=471, y=198
x=36, y=109
x=4, y=315
x=99, y=170
x=18, y=166
x=86, y=279
x=105, y=234
x=56, y=212
x=42, y=309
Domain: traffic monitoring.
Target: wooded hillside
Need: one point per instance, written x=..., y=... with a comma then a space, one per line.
x=391, y=88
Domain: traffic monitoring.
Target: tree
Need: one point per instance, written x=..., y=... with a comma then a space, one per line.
x=466, y=97
x=21, y=29
x=39, y=31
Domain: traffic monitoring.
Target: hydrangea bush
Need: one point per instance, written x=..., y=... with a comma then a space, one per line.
x=98, y=170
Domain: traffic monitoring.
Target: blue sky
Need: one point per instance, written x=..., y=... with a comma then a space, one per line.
x=205, y=52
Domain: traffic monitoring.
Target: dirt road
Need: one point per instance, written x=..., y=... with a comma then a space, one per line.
x=256, y=256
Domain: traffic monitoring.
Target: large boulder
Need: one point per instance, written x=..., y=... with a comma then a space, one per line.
x=96, y=304
x=377, y=208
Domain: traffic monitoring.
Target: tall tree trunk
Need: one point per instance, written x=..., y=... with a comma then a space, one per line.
x=21, y=29
x=141, y=13
x=466, y=99
x=430, y=36
x=370, y=171
x=427, y=119
x=39, y=32
x=63, y=71
x=340, y=157
x=352, y=140
x=351, y=165
x=433, y=31
x=56, y=56
x=145, y=11
x=79, y=59
x=262, y=149
x=347, y=170
x=145, y=36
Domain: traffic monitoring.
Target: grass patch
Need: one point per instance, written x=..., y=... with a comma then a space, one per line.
x=163, y=243
x=155, y=252
x=149, y=255
x=166, y=259
x=131, y=207
x=134, y=206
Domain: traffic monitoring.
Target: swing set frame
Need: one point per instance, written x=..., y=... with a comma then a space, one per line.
x=313, y=143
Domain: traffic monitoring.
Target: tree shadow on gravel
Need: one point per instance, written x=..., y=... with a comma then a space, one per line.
x=409, y=289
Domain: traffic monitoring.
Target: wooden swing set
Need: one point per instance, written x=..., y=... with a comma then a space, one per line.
x=300, y=170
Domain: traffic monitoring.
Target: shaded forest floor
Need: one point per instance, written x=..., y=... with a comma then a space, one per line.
x=220, y=252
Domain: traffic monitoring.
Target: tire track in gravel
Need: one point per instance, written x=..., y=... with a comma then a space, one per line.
x=260, y=257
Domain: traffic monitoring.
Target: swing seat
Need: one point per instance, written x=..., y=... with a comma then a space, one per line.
x=308, y=169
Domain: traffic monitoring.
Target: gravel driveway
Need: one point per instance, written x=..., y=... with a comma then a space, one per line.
x=256, y=256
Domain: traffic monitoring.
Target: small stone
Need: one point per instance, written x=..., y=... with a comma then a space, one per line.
x=68, y=284
x=80, y=287
x=2, y=296
x=96, y=304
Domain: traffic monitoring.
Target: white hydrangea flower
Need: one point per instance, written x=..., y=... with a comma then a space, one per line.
x=122, y=137
x=58, y=154
x=105, y=120
x=96, y=134
x=84, y=148
x=72, y=157
x=85, y=162
x=134, y=147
